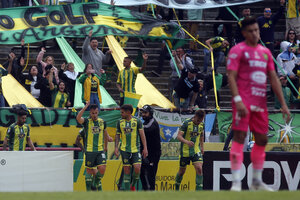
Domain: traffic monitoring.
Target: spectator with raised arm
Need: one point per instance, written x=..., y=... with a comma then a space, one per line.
x=267, y=25
x=92, y=55
x=29, y=81
x=49, y=60
x=69, y=76
x=46, y=85
x=17, y=62
x=220, y=47
x=127, y=77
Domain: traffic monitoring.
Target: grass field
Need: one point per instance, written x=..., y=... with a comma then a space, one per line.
x=205, y=195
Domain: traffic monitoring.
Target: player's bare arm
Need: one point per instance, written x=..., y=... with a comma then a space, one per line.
x=79, y=117
x=241, y=108
x=181, y=139
x=5, y=143
x=78, y=143
x=276, y=86
x=29, y=142
x=117, y=140
x=143, y=138
x=107, y=139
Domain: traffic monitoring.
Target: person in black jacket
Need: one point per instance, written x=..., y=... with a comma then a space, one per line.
x=18, y=62
x=29, y=81
x=150, y=163
x=69, y=76
x=45, y=87
x=267, y=25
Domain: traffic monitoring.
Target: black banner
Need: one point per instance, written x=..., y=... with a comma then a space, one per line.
x=281, y=171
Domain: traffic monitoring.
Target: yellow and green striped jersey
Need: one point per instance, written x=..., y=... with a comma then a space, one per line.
x=93, y=134
x=17, y=136
x=127, y=78
x=130, y=136
x=292, y=10
x=191, y=132
x=59, y=99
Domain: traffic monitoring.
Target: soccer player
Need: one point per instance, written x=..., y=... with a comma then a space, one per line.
x=130, y=130
x=17, y=133
x=94, y=136
x=248, y=66
x=127, y=77
x=191, y=148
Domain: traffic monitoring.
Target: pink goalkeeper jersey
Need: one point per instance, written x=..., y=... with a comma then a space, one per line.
x=252, y=65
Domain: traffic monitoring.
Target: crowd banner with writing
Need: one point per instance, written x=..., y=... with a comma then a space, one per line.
x=182, y=4
x=76, y=20
x=279, y=131
x=169, y=124
x=55, y=126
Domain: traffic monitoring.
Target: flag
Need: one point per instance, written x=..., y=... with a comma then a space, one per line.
x=132, y=99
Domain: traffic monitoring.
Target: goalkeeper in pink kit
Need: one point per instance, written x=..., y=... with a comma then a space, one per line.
x=248, y=65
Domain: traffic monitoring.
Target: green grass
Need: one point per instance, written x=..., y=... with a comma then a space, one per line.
x=204, y=195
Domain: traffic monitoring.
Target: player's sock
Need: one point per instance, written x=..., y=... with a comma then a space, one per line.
x=126, y=182
x=178, y=180
x=88, y=181
x=258, y=158
x=98, y=178
x=199, y=182
x=135, y=178
x=236, y=159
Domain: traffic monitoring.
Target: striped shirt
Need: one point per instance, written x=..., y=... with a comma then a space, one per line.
x=16, y=135
x=292, y=10
x=191, y=132
x=130, y=137
x=59, y=99
x=93, y=134
x=127, y=78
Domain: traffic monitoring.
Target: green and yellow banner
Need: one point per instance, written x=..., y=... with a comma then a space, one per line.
x=55, y=127
x=40, y=23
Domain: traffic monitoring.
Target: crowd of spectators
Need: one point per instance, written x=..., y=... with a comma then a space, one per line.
x=189, y=83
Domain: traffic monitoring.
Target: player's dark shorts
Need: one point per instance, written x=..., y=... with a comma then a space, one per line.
x=94, y=159
x=130, y=158
x=184, y=161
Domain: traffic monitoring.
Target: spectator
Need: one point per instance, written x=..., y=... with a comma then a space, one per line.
x=287, y=61
x=60, y=97
x=49, y=60
x=182, y=60
x=69, y=77
x=90, y=82
x=220, y=48
x=29, y=81
x=7, y=3
x=45, y=85
x=17, y=64
x=292, y=16
x=186, y=84
x=291, y=38
x=92, y=55
x=246, y=12
x=127, y=77
x=201, y=100
x=287, y=94
x=267, y=25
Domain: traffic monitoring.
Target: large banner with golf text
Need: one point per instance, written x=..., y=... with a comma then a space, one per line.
x=40, y=23
x=182, y=4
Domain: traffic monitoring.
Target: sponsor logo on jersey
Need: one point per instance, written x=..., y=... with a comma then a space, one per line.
x=258, y=77
x=257, y=63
